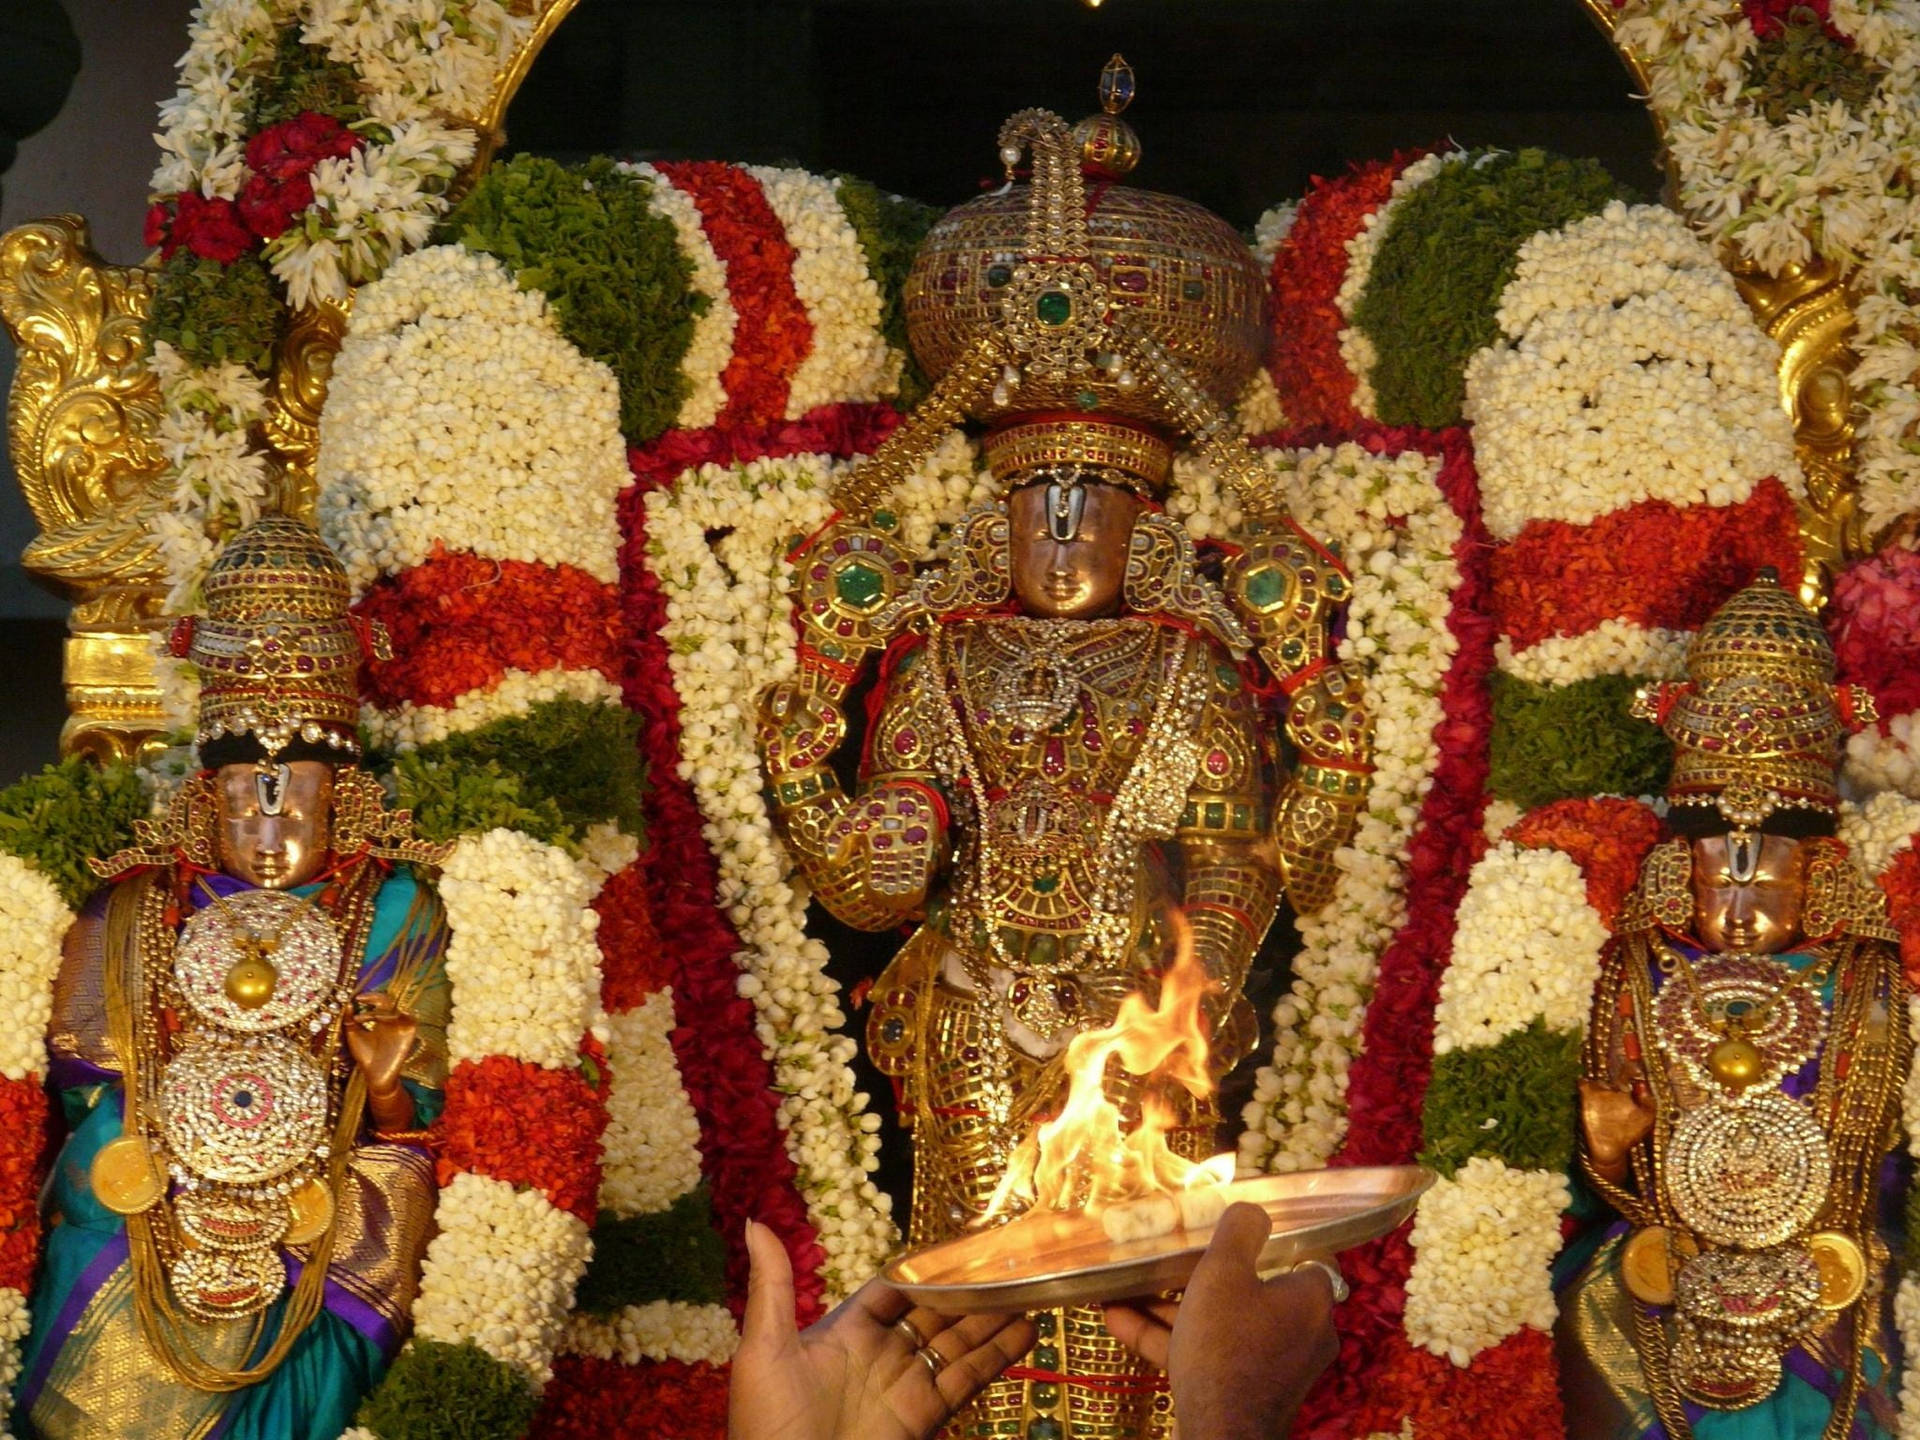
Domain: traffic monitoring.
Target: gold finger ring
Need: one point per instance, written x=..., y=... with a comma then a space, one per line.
x=1335, y=1279
x=932, y=1358
x=909, y=1333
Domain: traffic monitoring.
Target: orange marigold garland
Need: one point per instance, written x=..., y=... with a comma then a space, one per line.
x=527, y=1125
x=1652, y=563
x=459, y=622
x=23, y=1123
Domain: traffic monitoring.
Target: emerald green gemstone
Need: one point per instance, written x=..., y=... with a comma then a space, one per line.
x=1265, y=587
x=1045, y=1323
x=1055, y=307
x=1336, y=711
x=1292, y=650
x=885, y=519
x=1216, y=815
x=1044, y=950
x=1045, y=1428
x=1045, y=884
x=859, y=585
x=1046, y=1357
x=1044, y=1395
x=1087, y=400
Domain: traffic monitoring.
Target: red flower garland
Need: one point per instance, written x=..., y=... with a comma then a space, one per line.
x=1316, y=387
x=590, y=1399
x=1607, y=839
x=773, y=334
x=459, y=622
x=1652, y=563
x=842, y=431
x=1386, y=1086
x=527, y=1125
x=1510, y=1392
x=279, y=189
x=1901, y=882
x=633, y=961
x=727, y=1075
x=23, y=1121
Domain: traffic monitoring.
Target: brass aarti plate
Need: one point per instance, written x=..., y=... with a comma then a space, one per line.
x=1065, y=1258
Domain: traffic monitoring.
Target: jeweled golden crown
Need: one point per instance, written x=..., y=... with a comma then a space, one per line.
x=278, y=652
x=1122, y=313
x=1758, y=723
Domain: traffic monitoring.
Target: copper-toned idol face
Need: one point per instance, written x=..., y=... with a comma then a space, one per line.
x=1070, y=548
x=276, y=821
x=1747, y=893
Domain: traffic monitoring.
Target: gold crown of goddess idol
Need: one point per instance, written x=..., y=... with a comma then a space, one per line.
x=278, y=653
x=1090, y=325
x=1758, y=722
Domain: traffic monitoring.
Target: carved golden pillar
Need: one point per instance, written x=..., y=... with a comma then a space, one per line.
x=81, y=428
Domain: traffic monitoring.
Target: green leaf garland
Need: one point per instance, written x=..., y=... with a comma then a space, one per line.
x=213, y=313
x=1448, y=252
x=1488, y=1101
x=673, y=1254
x=303, y=79
x=1558, y=742
x=68, y=813
x=588, y=238
x=451, y=798
x=437, y=1391
x=890, y=229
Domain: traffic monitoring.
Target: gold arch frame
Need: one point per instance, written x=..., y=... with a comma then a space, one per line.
x=84, y=411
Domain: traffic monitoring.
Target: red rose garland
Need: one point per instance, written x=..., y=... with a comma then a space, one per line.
x=459, y=622
x=773, y=334
x=1875, y=622
x=1901, y=882
x=280, y=160
x=1651, y=563
x=634, y=962
x=1316, y=387
x=526, y=1125
x=1514, y=1392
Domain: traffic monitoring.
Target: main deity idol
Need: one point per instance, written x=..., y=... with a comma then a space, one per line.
x=1070, y=740
x=1748, y=1042
x=247, y=1042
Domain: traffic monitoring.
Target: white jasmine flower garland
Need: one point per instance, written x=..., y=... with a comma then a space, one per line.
x=1397, y=533
x=1630, y=370
x=33, y=922
x=522, y=959
x=850, y=359
x=1526, y=947
x=652, y=1142
x=459, y=417
x=659, y=1330
x=1613, y=647
x=1484, y=1241
x=500, y=1273
x=408, y=726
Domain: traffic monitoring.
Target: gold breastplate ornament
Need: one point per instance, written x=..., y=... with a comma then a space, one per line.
x=241, y=1110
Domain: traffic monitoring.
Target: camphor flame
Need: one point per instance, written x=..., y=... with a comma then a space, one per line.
x=1084, y=1159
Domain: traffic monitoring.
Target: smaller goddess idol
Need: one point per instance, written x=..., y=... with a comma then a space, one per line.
x=246, y=1045
x=1744, y=1061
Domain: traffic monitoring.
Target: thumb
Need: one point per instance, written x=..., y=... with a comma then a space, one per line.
x=1235, y=1248
x=770, y=1301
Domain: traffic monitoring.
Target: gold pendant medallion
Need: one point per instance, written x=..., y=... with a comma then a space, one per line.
x=1843, y=1269
x=259, y=961
x=124, y=1176
x=227, y=1220
x=311, y=1206
x=1747, y=1024
x=243, y=1112
x=1751, y=1174
x=1650, y=1261
x=227, y=1284
x=1737, y=1313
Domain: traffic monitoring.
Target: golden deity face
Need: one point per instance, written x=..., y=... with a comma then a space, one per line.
x=1747, y=891
x=276, y=821
x=1069, y=548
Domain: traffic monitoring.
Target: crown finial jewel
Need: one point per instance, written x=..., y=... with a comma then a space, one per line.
x=1109, y=147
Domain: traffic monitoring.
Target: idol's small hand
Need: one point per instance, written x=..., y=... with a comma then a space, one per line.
x=1614, y=1122
x=381, y=1039
x=1241, y=1351
x=875, y=1369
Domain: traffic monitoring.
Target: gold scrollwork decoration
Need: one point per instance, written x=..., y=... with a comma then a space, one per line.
x=302, y=368
x=84, y=410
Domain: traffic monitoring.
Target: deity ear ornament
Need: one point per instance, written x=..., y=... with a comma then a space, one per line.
x=1163, y=577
